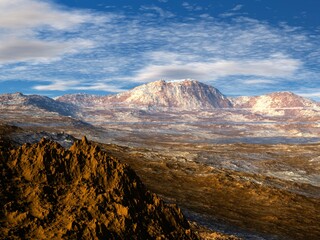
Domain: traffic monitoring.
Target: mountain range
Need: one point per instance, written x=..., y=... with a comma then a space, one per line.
x=169, y=109
x=186, y=95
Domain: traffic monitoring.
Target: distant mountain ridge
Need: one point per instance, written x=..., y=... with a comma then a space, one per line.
x=170, y=108
x=274, y=100
x=185, y=95
x=19, y=100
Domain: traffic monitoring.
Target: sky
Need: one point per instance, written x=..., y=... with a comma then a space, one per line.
x=241, y=47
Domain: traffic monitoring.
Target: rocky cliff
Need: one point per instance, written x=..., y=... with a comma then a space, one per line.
x=48, y=192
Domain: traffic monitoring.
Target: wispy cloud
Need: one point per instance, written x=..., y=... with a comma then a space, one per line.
x=237, y=7
x=314, y=94
x=74, y=85
x=29, y=29
x=206, y=71
x=161, y=12
x=29, y=14
x=233, y=12
x=259, y=81
x=22, y=50
x=191, y=7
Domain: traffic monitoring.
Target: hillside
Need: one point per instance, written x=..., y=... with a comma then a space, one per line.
x=48, y=192
x=19, y=101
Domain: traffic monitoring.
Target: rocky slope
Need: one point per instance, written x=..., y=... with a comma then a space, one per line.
x=48, y=192
x=206, y=180
x=83, y=100
x=18, y=101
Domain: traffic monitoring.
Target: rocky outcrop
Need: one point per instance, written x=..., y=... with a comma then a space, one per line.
x=48, y=192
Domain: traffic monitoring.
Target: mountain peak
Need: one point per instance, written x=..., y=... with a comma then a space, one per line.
x=185, y=82
x=183, y=94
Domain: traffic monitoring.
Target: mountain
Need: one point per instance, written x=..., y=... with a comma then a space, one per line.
x=186, y=95
x=48, y=192
x=168, y=108
x=274, y=100
x=182, y=95
x=83, y=100
x=278, y=104
x=17, y=101
x=40, y=112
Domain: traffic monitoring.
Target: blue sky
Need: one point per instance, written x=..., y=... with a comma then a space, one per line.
x=241, y=47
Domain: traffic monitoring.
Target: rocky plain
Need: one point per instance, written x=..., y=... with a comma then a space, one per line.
x=247, y=167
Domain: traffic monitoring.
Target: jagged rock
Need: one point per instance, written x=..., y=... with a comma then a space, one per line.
x=48, y=192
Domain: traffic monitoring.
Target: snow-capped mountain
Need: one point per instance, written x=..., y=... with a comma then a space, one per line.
x=277, y=104
x=183, y=95
x=274, y=100
x=172, y=107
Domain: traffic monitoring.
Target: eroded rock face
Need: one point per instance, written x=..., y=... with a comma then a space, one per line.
x=48, y=192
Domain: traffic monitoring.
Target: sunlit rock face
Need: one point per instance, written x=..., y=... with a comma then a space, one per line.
x=48, y=192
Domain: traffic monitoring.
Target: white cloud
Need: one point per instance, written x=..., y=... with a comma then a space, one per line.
x=42, y=42
x=232, y=12
x=237, y=7
x=23, y=21
x=24, y=14
x=163, y=13
x=258, y=81
x=191, y=7
x=18, y=50
x=59, y=85
x=208, y=71
x=314, y=94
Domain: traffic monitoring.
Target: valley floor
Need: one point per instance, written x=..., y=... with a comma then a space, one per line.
x=236, y=201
